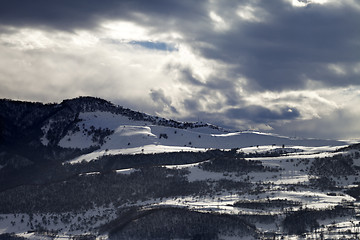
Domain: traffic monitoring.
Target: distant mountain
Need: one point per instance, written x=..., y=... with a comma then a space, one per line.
x=22, y=121
x=36, y=132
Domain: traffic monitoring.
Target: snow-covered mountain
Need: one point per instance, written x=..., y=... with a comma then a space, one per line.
x=116, y=131
x=86, y=169
x=98, y=126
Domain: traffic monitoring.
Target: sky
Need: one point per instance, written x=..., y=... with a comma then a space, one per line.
x=290, y=67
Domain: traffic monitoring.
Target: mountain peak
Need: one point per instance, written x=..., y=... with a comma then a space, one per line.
x=87, y=104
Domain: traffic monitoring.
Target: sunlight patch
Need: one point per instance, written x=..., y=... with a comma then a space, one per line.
x=250, y=13
x=125, y=31
x=304, y=3
x=218, y=22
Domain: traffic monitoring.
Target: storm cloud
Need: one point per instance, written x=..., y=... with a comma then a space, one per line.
x=268, y=65
x=260, y=114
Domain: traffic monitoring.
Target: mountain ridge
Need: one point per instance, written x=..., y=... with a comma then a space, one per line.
x=89, y=127
x=23, y=114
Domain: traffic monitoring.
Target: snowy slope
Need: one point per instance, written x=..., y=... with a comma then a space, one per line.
x=129, y=137
x=290, y=175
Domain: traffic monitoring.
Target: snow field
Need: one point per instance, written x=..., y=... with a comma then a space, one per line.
x=146, y=149
x=290, y=182
x=19, y=223
x=132, y=137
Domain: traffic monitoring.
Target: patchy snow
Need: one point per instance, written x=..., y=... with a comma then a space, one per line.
x=356, y=161
x=74, y=223
x=291, y=172
x=217, y=203
x=147, y=149
x=126, y=171
x=290, y=150
x=288, y=180
x=122, y=126
x=45, y=129
x=89, y=174
x=197, y=174
x=130, y=137
x=182, y=166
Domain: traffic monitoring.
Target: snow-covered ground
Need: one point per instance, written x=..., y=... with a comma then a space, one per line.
x=66, y=225
x=291, y=173
x=289, y=181
x=133, y=137
x=147, y=149
x=292, y=167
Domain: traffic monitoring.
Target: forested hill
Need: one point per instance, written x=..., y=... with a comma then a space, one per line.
x=35, y=132
x=22, y=121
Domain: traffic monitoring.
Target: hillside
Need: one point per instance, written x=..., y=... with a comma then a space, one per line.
x=34, y=132
x=87, y=169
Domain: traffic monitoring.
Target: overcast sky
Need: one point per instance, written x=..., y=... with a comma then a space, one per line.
x=285, y=66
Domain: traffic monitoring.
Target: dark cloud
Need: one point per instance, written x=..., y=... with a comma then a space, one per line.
x=69, y=15
x=291, y=46
x=341, y=123
x=187, y=76
x=282, y=50
x=260, y=114
x=191, y=105
x=59, y=14
x=158, y=96
x=226, y=85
